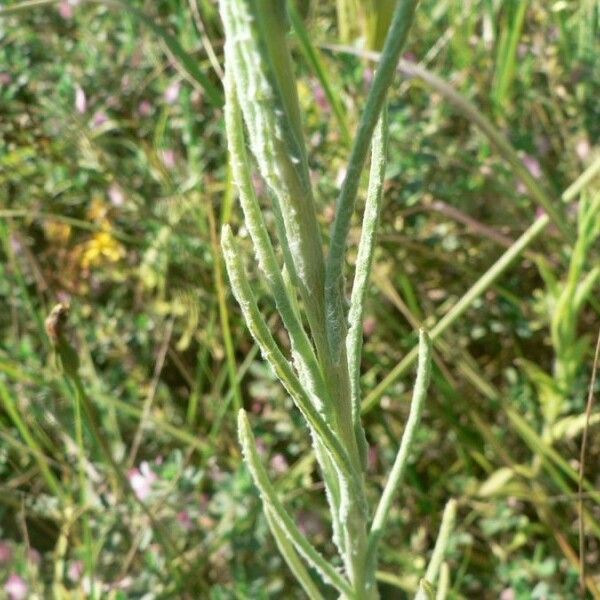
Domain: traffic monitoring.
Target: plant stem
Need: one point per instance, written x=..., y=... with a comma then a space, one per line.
x=475, y=116
x=334, y=293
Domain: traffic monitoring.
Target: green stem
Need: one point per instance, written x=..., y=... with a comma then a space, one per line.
x=334, y=293
x=224, y=312
x=291, y=557
x=271, y=353
x=475, y=116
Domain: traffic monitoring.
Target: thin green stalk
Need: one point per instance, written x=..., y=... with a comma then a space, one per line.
x=257, y=54
x=334, y=273
x=507, y=54
x=224, y=312
x=202, y=373
x=13, y=412
x=441, y=543
x=443, y=583
x=582, y=181
x=282, y=291
x=278, y=512
x=399, y=468
x=475, y=116
x=87, y=534
x=582, y=459
x=222, y=410
x=539, y=447
x=78, y=223
x=67, y=361
x=302, y=349
x=476, y=290
x=314, y=60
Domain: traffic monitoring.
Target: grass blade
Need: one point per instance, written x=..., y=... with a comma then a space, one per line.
x=582, y=457
x=476, y=290
x=497, y=139
x=311, y=54
x=13, y=412
x=439, y=549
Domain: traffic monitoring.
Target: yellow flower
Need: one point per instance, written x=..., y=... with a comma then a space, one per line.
x=102, y=249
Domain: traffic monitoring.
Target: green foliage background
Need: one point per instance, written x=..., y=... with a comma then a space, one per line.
x=113, y=184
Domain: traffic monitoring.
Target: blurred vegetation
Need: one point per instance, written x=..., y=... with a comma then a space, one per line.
x=113, y=186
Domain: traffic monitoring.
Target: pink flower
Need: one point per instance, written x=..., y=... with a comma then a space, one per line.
x=16, y=244
x=279, y=464
x=172, y=92
x=144, y=108
x=507, y=594
x=5, y=78
x=75, y=571
x=116, y=195
x=5, y=553
x=80, y=100
x=100, y=118
x=65, y=9
x=184, y=519
x=533, y=166
x=141, y=480
x=168, y=158
x=369, y=326
x=321, y=98
x=16, y=587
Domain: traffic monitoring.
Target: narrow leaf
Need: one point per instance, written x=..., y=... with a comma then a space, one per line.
x=291, y=556
x=448, y=519
x=313, y=58
x=261, y=68
x=364, y=262
x=280, y=515
x=401, y=462
x=271, y=352
x=267, y=261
